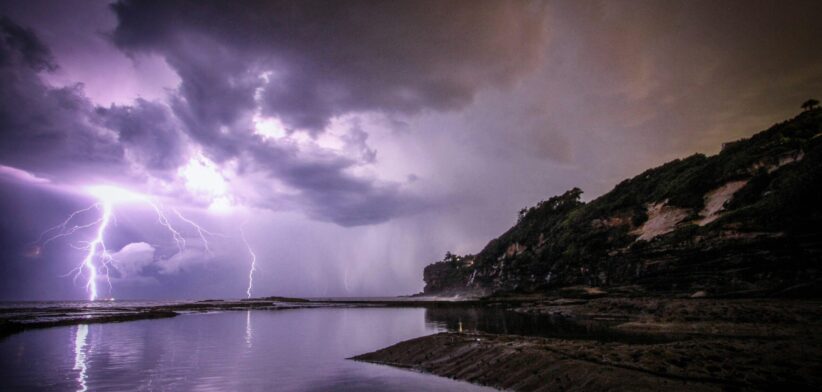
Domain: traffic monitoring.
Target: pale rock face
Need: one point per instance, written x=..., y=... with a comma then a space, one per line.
x=471, y=280
x=614, y=221
x=515, y=249
x=782, y=160
x=788, y=158
x=662, y=219
x=715, y=201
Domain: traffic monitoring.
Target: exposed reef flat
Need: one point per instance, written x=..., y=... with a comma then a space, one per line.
x=22, y=316
x=692, y=344
x=13, y=322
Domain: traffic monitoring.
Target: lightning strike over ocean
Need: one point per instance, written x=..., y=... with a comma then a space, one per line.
x=61, y=228
x=97, y=260
x=98, y=242
x=253, y=264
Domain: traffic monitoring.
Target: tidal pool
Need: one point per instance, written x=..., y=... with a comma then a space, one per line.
x=284, y=350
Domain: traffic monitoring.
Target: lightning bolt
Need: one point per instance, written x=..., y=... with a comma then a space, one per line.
x=62, y=230
x=88, y=265
x=98, y=259
x=161, y=218
x=200, y=231
x=253, y=264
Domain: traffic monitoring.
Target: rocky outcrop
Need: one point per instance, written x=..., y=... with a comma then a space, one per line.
x=716, y=199
x=663, y=344
x=522, y=364
x=453, y=276
x=662, y=219
x=445, y=276
x=744, y=222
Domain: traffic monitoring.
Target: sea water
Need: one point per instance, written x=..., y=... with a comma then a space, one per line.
x=282, y=350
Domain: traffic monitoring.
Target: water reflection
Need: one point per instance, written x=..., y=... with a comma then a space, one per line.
x=248, y=331
x=80, y=355
x=293, y=350
x=501, y=321
x=290, y=350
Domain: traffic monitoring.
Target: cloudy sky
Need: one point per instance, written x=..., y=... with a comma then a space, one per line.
x=350, y=143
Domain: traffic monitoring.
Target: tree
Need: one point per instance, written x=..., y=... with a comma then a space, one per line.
x=451, y=258
x=810, y=104
x=522, y=214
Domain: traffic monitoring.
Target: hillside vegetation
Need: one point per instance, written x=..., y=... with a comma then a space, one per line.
x=743, y=222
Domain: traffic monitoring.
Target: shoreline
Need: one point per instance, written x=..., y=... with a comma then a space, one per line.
x=649, y=343
x=693, y=344
x=21, y=318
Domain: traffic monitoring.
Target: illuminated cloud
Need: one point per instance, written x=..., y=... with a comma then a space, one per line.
x=21, y=175
x=59, y=133
x=132, y=258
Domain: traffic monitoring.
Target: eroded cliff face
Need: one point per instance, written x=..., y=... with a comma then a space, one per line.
x=746, y=221
x=454, y=276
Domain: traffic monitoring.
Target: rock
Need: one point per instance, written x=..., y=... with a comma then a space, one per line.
x=662, y=219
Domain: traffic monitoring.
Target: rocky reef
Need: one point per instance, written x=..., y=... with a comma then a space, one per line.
x=744, y=222
x=663, y=344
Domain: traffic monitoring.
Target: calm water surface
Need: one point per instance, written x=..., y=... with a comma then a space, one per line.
x=287, y=350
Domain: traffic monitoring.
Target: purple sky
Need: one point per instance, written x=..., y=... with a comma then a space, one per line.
x=354, y=141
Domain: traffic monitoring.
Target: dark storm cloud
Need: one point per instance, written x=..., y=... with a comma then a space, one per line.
x=331, y=58
x=216, y=94
x=46, y=130
x=327, y=191
x=649, y=82
x=148, y=131
x=20, y=43
x=59, y=134
x=306, y=62
x=356, y=141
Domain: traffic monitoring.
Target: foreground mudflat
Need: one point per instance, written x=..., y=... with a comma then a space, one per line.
x=691, y=345
x=523, y=363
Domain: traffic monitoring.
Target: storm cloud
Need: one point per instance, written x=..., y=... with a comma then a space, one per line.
x=222, y=89
x=305, y=63
x=325, y=59
x=46, y=130
x=148, y=131
x=360, y=140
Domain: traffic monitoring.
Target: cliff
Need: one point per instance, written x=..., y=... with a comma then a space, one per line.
x=743, y=222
